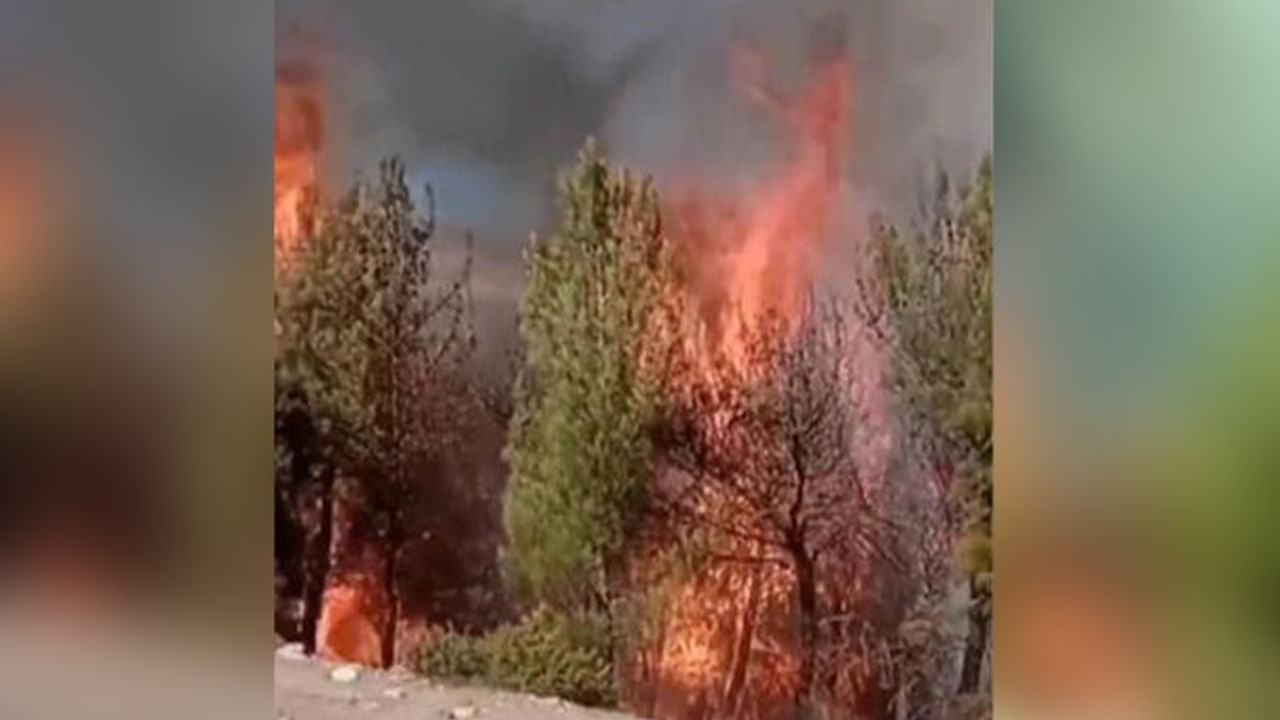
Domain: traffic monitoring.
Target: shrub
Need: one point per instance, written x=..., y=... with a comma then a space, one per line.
x=546, y=653
x=453, y=655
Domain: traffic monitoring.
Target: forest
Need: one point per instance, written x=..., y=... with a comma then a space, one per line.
x=711, y=481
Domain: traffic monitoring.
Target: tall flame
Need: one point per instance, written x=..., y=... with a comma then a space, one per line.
x=299, y=140
x=748, y=264
x=751, y=260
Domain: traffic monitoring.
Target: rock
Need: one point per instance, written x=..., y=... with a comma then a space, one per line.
x=400, y=674
x=371, y=706
x=464, y=712
x=395, y=693
x=345, y=674
x=291, y=651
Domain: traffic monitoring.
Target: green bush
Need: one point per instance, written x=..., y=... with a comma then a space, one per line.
x=546, y=653
x=454, y=655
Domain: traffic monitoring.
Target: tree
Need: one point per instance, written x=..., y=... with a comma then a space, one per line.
x=373, y=341
x=930, y=300
x=769, y=472
x=579, y=446
x=301, y=547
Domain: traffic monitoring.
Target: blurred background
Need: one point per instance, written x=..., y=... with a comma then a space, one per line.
x=134, y=392
x=1135, y=374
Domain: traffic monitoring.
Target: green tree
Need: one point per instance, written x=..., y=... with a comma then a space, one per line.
x=579, y=446
x=931, y=298
x=373, y=341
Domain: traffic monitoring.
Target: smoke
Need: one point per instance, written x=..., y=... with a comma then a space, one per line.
x=488, y=99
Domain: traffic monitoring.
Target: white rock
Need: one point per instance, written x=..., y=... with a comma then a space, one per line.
x=291, y=651
x=395, y=693
x=464, y=712
x=345, y=674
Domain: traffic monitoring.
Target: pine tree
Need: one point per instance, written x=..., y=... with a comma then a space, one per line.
x=370, y=338
x=932, y=300
x=579, y=445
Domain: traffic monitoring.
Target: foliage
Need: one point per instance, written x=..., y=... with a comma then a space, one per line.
x=361, y=328
x=579, y=446
x=931, y=299
x=547, y=653
x=934, y=300
x=371, y=343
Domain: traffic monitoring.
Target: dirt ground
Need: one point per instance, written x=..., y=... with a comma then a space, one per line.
x=306, y=689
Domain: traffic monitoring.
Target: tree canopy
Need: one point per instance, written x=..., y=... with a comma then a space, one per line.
x=579, y=446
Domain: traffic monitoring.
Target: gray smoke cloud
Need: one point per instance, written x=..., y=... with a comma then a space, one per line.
x=488, y=100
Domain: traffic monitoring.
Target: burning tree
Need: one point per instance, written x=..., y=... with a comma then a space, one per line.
x=930, y=301
x=765, y=465
x=372, y=342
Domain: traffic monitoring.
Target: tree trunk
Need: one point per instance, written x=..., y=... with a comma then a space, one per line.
x=392, y=599
x=318, y=559
x=975, y=648
x=807, y=596
x=742, y=649
x=290, y=567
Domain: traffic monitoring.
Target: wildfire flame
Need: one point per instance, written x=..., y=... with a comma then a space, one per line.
x=748, y=265
x=751, y=260
x=354, y=606
x=299, y=140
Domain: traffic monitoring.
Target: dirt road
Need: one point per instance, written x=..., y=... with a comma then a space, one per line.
x=306, y=689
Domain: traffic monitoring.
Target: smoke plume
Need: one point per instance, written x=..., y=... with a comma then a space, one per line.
x=487, y=101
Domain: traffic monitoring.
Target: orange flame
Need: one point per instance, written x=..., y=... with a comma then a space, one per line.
x=751, y=260
x=299, y=140
x=748, y=266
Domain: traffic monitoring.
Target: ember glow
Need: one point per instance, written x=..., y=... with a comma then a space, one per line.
x=299, y=140
x=727, y=647
x=348, y=629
